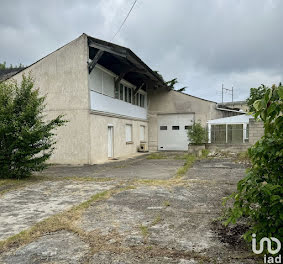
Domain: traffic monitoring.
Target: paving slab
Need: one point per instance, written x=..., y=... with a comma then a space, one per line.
x=155, y=223
x=140, y=168
x=61, y=247
x=24, y=207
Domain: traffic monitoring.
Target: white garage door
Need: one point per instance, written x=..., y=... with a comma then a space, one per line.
x=172, y=131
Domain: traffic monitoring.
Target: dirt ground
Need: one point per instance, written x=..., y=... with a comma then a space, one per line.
x=137, y=211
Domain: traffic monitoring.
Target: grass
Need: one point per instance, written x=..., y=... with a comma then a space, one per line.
x=243, y=157
x=157, y=156
x=190, y=159
x=7, y=185
x=166, y=203
x=86, y=179
x=144, y=231
x=156, y=220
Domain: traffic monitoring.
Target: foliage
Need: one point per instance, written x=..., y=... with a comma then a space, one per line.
x=197, y=134
x=3, y=66
x=259, y=195
x=171, y=84
x=255, y=94
x=26, y=141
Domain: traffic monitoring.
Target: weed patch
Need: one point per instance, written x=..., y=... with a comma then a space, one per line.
x=157, y=156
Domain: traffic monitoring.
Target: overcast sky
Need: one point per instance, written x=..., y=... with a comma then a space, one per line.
x=202, y=43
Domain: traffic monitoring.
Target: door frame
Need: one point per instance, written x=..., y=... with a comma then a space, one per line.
x=110, y=129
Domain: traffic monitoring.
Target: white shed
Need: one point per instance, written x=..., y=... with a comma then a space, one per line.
x=233, y=129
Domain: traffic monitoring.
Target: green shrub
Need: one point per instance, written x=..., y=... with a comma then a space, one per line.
x=197, y=134
x=259, y=196
x=26, y=141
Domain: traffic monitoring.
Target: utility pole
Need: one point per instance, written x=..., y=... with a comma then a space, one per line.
x=222, y=93
x=228, y=90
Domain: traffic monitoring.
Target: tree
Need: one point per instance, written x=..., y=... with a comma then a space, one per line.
x=255, y=94
x=259, y=194
x=197, y=134
x=171, y=84
x=26, y=140
x=3, y=66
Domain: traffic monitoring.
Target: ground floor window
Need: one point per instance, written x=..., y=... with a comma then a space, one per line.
x=129, y=133
x=142, y=133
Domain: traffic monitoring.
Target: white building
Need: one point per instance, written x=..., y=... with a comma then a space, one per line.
x=113, y=102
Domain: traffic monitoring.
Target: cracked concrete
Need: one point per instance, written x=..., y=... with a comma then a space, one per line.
x=149, y=224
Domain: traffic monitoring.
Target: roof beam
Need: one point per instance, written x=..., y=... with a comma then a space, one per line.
x=137, y=89
x=108, y=49
x=95, y=60
x=122, y=74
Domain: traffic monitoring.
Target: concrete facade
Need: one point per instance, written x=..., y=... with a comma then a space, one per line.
x=63, y=77
x=99, y=142
x=169, y=102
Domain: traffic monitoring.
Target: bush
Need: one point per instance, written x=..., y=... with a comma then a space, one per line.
x=259, y=195
x=197, y=134
x=26, y=141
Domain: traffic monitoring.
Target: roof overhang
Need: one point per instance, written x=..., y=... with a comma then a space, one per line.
x=123, y=62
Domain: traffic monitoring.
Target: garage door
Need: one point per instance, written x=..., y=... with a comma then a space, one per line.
x=172, y=131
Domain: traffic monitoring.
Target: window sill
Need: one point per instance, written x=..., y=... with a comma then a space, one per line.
x=129, y=142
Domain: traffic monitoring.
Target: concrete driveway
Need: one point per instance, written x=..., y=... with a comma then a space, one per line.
x=137, y=211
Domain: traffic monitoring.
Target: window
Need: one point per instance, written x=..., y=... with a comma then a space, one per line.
x=141, y=100
x=163, y=127
x=129, y=133
x=116, y=92
x=129, y=95
x=142, y=133
x=121, y=92
x=188, y=127
x=137, y=99
x=175, y=127
x=126, y=94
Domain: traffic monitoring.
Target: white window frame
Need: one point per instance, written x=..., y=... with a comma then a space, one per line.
x=142, y=133
x=129, y=133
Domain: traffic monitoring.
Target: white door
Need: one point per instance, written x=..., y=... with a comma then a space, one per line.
x=172, y=131
x=110, y=142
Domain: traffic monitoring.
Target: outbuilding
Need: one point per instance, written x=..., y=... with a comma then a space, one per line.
x=232, y=130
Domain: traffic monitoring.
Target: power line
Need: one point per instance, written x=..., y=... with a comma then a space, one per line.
x=124, y=20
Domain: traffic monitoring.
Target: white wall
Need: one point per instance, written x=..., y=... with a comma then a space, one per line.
x=104, y=103
x=101, y=85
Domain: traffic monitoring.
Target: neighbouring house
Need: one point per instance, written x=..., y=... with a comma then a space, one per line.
x=114, y=103
x=239, y=105
x=235, y=133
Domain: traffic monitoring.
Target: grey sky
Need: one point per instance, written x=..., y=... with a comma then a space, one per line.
x=202, y=43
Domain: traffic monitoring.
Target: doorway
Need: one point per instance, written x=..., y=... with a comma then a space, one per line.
x=110, y=142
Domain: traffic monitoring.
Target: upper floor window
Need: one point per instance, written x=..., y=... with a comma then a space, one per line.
x=121, y=92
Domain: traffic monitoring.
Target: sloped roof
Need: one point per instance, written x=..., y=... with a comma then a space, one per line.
x=238, y=119
x=8, y=73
